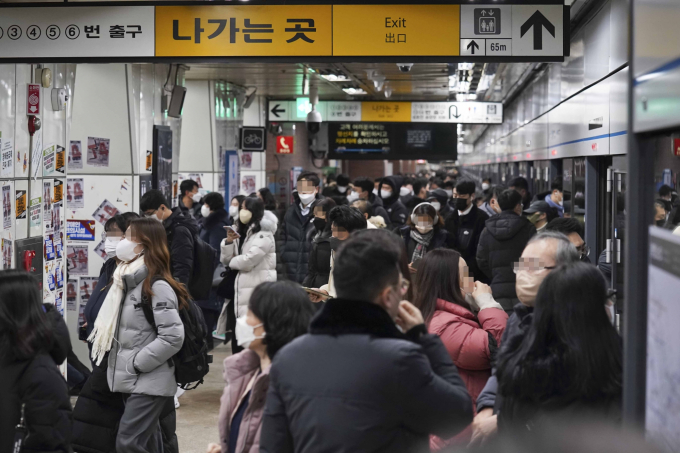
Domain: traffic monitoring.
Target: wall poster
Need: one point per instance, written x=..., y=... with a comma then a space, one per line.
x=6, y=208
x=98, y=151
x=162, y=160
x=75, y=156
x=75, y=195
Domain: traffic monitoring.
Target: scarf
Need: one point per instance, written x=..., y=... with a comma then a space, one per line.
x=423, y=242
x=107, y=321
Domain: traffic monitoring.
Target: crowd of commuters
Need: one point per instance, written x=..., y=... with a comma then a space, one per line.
x=404, y=314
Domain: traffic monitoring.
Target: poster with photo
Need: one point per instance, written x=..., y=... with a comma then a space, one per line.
x=57, y=223
x=246, y=160
x=21, y=204
x=60, y=165
x=6, y=208
x=72, y=294
x=58, y=194
x=51, y=280
x=80, y=230
x=75, y=155
x=198, y=177
x=220, y=183
x=7, y=254
x=248, y=184
x=105, y=211
x=77, y=259
x=162, y=161
x=145, y=183
x=81, y=313
x=7, y=159
x=59, y=273
x=48, y=248
x=59, y=302
x=49, y=160
x=34, y=216
x=75, y=195
x=101, y=251
x=87, y=285
x=98, y=151
x=59, y=245
x=47, y=205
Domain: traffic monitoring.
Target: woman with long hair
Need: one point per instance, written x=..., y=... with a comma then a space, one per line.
x=139, y=353
x=320, y=256
x=464, y=315
x=278, y=312
x=234, y=208
x=31, y=386
x=568, y=364
x=424, y=231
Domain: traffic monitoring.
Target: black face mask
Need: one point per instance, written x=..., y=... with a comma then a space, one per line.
x=660, y=223
x=319, y=224
x=461, y=204
x=335, y=243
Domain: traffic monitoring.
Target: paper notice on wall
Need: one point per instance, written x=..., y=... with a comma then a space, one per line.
x=77, y=259
x=36, y=155
x=59, y=245
x=6, y=208
x=75, y=195
x=47, y=205
x=60, y=165
x=49, y=253
x=21, y=206
x=7, y=169
x=104, y=212
x=75, y=155
x=87, y=285
x=59, y=274
x=98, y=151
x=248, y=184
x=58, y=191
x=72, y=294
x=59, y=302
x=34, y=212
x=7, y=254
x=49, y=160
x=57, y=223
x=100, y=250
x=246, y=160
x=79, y=230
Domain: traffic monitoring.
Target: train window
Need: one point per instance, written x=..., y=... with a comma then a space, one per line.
x=666, y=168
x=578, y=199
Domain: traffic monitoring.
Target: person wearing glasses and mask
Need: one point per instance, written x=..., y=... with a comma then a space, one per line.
x=367, y=376
x=424, y=232
x=543, y=253
x=278, y=312
x=189, y=199
x=573, y=229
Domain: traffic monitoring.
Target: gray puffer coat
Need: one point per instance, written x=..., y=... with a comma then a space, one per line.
x=137, y=346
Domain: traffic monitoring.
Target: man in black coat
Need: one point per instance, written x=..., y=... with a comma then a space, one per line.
x=419, y=195
x=363, y=190
x=500, y=246
x=295, y=233
x=521, y=185
x=356, y=383
x=189, y=198
x=181, y=230
x=467, y=224
x=338, y=190
x=389, y=193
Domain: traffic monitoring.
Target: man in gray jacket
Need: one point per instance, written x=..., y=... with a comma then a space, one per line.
x=356, y=383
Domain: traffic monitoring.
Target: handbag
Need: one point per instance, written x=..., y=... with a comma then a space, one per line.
x=226, y=287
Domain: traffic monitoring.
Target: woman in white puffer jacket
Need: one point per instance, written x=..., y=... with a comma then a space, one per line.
x=253, y=254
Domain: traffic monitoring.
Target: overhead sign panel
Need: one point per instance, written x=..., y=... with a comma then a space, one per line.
x=401, y=112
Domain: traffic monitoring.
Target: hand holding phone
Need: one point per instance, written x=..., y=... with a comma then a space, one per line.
x=232, y=234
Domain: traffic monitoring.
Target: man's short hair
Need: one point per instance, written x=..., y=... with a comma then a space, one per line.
x=214, y=200
x=187, y=186
x=419, y=184
x=365, y=265
x=364, y=206
x=519, y=183
x=466, y=187
x=348, y=218
x=556, y=184
x=450, y=184
x=566, y=252
x=342, y=180
x=439, y=182
x=509, y=199
x=310, y=176
x=665, y=190
x=366, y=184
x=152, y=199
x=565, y=226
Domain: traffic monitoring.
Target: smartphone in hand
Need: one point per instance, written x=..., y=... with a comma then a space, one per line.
x=232, y=230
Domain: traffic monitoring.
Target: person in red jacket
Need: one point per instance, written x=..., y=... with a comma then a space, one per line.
x=464, y=315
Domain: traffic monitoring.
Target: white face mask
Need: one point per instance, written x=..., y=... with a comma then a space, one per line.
x=485, y=186
x=354, y=196
x=125, y=250
x=436, y=205
x=424, y=229
x=306, y=198
x=245, y=333
x=205, y=211
x=110, y=246
x=449, y=193
x=375, y=192
x=233, y=211
x=342, y=189
x=196, y=197
x=404, y=191
x=384, y=194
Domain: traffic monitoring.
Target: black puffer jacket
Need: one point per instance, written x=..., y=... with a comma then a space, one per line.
x=439, y=240
x=379, y=208
x=181, y=230
x=357, y=384
x=396, y=210
x=468, y=229
x=294, y=241
x=319, y=261
x=500, y=246
x=38, y=384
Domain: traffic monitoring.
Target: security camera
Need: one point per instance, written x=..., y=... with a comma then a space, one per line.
x=313, y=121
x=405, y=67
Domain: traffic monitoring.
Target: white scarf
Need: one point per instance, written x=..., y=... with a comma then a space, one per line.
x=107, y=320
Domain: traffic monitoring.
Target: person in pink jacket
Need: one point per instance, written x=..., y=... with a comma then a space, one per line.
x=278, y=312
x=464, y=314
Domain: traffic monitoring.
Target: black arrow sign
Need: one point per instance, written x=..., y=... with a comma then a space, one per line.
x=455, y=115
x=538, y=21
x=474, y=46
x=276, y=110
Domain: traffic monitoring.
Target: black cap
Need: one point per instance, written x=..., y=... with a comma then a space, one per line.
x=537, y=206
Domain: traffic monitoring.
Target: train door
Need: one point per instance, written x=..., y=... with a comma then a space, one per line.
x=614, y=262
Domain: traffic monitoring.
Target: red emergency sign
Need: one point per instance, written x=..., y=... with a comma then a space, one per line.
x=284, y=144
x=33, y=99
x=676, y=146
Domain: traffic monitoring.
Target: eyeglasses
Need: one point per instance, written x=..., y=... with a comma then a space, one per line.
x=583, y=250
x=530, y=265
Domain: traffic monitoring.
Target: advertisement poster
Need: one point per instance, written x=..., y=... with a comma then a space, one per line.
x=20, y=204
x=7, y=160
x=36, y=156
x=248, y=184
x=60, y=275
x=75, y=156
x=56, y=218
x=98, y=151
x=6, y=208
x=162, y=160
x=81, y=314
x=198, y=177
x=58, y=191
x=246, y=160
x=49, y=160
x=87, y=285
x=59, y=245
x=79, y=230
x=47, y=205
x=34, y=212
x=101, y=250
x=76, y=256
x=50, y=252
x=75, y=196
x=60, y=166
x=49, y=274
x=7, y=254
x=71, y=294
x=59, y=302
x=104, y=212
x=145, y=182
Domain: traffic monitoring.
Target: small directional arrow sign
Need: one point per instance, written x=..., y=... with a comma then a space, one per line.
x=455, y=109
x=276, y=110
x=472, y=46
x=538, y=21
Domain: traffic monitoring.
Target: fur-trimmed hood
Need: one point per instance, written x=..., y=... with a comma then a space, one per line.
x=269, y=222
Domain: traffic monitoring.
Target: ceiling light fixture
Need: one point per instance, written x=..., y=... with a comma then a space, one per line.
x=354, y=91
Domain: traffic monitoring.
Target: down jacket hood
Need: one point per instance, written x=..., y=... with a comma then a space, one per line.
x=506, y=225
x=269, y=222
x=180, y=218
x=395, y=182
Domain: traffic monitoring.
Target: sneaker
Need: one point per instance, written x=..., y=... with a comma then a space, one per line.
x=176, y=403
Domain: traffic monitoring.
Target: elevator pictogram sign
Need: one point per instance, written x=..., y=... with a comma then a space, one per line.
x=487, y=21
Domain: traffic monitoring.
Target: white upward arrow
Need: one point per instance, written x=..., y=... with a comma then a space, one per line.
x=483, y=13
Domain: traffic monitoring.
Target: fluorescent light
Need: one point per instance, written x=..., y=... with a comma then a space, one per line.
x=354, y=91
x=335, y=77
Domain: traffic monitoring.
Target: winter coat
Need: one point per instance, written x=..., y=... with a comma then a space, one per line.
x=469, y=228
x=212, y=233
x=500, y=246
x=239, y=369
x=255, y=264
x=439, y=240
x=181, y=230
x=294, y=242
x=94, y=303
x=486, y=207
x=319, y=261
x=396, y=211
x=355, y=383
x=38, y=384
x=194, y=212
x=378, y=208
x=138, y=360
x=337, y=196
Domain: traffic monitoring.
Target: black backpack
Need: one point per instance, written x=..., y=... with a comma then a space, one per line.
x=205, y=262
x=192, y=361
